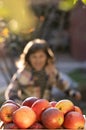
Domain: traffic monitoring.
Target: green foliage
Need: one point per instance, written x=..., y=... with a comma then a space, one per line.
x=66, y=5
x=84, y=1
x=16, y=12
x=75, y=1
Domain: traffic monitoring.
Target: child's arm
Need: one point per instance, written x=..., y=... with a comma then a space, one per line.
x=65, y=87
x=56, y=80
x=12, y=90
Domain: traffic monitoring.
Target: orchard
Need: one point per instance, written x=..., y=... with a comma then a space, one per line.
x=34, y=113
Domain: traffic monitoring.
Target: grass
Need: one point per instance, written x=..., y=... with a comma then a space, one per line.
x=79, y=75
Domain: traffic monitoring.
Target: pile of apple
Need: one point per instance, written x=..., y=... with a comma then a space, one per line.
x=34, y=113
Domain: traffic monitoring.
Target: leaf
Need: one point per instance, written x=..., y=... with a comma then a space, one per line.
x=4, y=12
x=66, y=5
x=75, y=1
x=84, y=1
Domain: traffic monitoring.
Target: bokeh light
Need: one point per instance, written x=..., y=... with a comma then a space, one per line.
x=19, y=15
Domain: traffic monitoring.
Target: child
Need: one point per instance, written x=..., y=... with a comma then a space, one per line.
x=38, y=74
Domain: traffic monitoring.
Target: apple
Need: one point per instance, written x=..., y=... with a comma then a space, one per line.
x=11, y=101
x=10, y=125
x=39, y=106
x=37, y=125
x=52, y=118
x=65, y=105
x=78, y=109
x=53, y=103
x=74, y=120
x=29, y=101
x=24, y=117
x=6, y=112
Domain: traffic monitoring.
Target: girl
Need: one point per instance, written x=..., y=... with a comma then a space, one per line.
x=38, y=74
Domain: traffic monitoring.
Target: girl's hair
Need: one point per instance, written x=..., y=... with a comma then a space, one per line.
x=34, y=46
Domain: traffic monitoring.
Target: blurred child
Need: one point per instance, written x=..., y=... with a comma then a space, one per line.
x=38, y=75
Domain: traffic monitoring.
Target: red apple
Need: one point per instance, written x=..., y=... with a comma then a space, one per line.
x=37, y=125
x=24, y=117
x=52, y=118
x=6, y=112
x=65, y=105
x=78, y=109
x=74, y=120
x=29, y=101
x=39, y=106
x=10, y=125
x=53, y=103
x=11, y=101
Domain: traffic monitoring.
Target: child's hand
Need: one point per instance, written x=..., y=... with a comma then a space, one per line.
x=18, y=101
x=78, y=95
